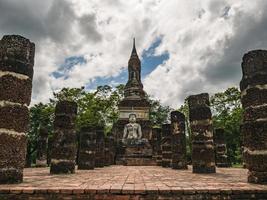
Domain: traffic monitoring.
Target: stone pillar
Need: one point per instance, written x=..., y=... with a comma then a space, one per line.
x=100, y=147
x=64, y=142
x=203, y=158
x=178, y=140
x=49, y=150
x=106, y=151
x=112, y=150
x=253, y=88
x=166, y=146
x=41, y=158
x=220, y=148
x=16, y=72
x=87, y=148
x=156, y=132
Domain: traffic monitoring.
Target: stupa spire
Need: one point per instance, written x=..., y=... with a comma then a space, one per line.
x=134, y=49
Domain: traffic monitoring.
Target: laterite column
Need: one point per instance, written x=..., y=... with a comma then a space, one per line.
x=178, y=140
x=100, y=147
x=203, y=157
x=87, y=148
x=41, y=160
x=64, y=148
x=16, y=73
x=253, y=88
x=157, y=144
x=166, y=146
x=220, y=148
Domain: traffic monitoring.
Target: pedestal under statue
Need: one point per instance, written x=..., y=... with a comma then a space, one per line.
x=138, y=150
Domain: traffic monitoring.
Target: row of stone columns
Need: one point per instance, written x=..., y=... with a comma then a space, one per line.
x=93, y=152
x=171, y=151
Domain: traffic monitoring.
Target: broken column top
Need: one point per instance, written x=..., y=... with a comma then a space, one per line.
x=254, y=62
x=198, y=100
x=66, y=107
x=166, y=129
x=43, y=132
x=177, y=116
x=17, y=55
x=219, y=136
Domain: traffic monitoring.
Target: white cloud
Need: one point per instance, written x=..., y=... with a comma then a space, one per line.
x=205, y=40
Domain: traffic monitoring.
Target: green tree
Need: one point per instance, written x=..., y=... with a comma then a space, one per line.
x=40, y=114
x=159, y=113
x=227, y=113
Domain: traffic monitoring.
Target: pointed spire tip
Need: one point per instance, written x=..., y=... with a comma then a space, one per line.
x=134, y=50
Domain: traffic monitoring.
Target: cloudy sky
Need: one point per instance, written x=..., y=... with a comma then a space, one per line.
x=186, y=47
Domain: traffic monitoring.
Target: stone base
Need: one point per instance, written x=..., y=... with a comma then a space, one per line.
x=138, y=155
x=62, y=168
x=257, y=177
x=179, y=166
x=223, y=165
x=204, y=170
x=41, y=163
x=140, y=162
x=11, y=176
x=84, y=166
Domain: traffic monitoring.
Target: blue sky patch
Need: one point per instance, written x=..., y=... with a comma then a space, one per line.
x=149, y=62
x=68, y=65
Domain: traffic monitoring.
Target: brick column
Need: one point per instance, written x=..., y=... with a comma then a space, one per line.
x=16, y=72
x=166, y=146
x=87, y=148
x=220, y=148
x=203, y=158
x=100, y=147
x=157, y=144
x=64, y=142
x=41, y=158
x=254, y=100
x=178, y=140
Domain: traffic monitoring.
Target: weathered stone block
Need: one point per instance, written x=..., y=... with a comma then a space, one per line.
x=255, y=113
x=12, y=157
x=17, y=55
x=15, y=89
x=254, y=135
x=254, y=96
x=15, y=117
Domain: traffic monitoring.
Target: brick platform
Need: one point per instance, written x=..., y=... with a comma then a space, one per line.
x=134, y=182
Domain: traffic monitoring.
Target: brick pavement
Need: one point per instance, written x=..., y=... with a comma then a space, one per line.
x=134, y=182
